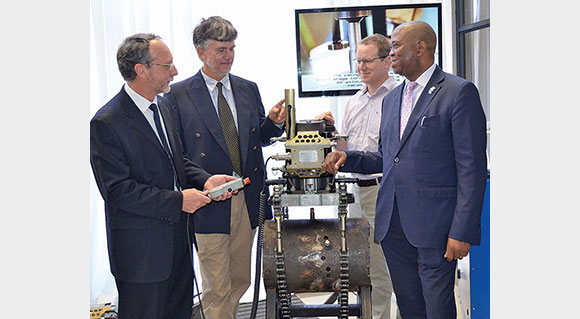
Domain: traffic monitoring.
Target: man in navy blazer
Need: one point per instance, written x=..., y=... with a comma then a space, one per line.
x=434, y=175
x=224, y=231
x=149, y=191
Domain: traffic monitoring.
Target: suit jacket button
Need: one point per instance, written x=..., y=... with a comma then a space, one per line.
x=396, y=159
x=255, y=147
x=197, y=135
x=253, y=129
x=202, y=154
x=255, y=169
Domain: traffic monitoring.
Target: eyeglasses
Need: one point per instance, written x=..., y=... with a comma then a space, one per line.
x=365, y=61
x=168, y=66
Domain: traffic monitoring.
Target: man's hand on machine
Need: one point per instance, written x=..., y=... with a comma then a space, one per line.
x=333, y=161
x=278, y=112
x=326, y=116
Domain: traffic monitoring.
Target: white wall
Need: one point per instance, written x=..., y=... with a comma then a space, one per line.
x=265, y=54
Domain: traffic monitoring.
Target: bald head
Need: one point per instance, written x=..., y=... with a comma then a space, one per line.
x=413, y=52
x=421, y=31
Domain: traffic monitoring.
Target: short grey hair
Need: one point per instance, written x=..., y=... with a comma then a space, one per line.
x=133, y=50
x=380, y=41
x=213, y=28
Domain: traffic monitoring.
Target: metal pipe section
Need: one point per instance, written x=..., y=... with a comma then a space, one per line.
x=290, y=114
x=312, y=251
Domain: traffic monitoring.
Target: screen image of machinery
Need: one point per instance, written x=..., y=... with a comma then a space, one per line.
x=327, y=40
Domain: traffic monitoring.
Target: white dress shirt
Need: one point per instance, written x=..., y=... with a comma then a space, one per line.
x=362, y=120
x=143, y=106
x=422, y=81
x=227, y=92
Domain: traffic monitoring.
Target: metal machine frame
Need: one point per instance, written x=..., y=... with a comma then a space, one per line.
x=314, y=255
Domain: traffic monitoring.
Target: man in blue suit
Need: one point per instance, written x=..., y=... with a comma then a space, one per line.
x=432, y=156
x=223, y=126
x=148, y=185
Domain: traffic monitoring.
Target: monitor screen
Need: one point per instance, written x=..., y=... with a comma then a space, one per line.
x=326, y=41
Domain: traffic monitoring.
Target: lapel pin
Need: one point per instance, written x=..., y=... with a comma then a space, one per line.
x=431, y=89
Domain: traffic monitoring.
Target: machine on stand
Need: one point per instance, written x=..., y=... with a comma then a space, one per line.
x=313, y=255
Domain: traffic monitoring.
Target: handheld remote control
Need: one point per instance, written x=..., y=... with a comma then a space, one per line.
x=228, y=187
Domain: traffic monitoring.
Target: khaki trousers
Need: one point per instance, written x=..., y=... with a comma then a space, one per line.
x=382, y=287
x=225, y=261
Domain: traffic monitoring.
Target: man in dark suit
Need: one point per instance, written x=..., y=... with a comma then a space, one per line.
x=432, y=156
x=148, y=185
x=223, y=126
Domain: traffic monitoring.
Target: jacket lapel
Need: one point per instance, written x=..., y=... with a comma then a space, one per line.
x=429, y=92
x=136, y=119
x=394, y=127
x=200, y=98
x=177, y=156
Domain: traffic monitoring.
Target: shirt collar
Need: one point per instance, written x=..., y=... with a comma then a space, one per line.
x=141, y=102
x=211, y=82
x=423, y=79
x=388, y=85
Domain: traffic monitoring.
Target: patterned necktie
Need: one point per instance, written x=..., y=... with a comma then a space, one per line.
x=163, y=139
x=407, y=106
x=230, y=131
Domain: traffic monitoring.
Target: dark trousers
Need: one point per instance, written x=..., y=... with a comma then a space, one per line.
x=169, y=299
x=423, y=280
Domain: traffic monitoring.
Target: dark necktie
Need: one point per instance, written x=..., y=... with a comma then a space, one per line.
x=230, y=131
x=162, y=137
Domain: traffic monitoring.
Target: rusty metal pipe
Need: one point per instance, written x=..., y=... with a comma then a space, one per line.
x=312, y=252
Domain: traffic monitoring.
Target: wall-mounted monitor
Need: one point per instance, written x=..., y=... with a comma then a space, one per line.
x=327, y=38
